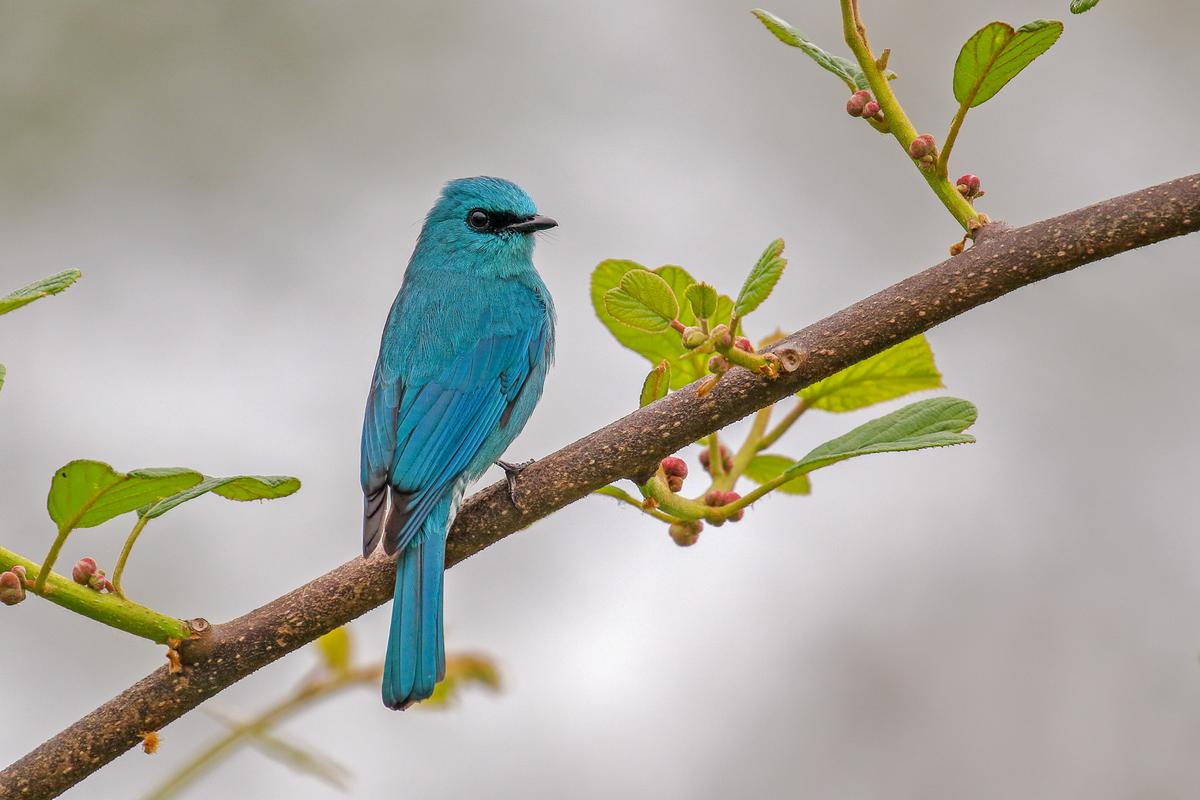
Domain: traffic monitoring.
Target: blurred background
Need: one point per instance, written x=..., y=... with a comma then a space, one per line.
x=242, y=183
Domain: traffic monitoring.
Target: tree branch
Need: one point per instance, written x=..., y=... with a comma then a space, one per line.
x=1001, y=260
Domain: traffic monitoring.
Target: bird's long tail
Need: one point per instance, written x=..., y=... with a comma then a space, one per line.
x=416, y=651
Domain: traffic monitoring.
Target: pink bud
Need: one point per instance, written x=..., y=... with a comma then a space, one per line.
x=675, y=467
x=686, y=533
x=83, y=570
x=742, y=343
x=857, y=102
x=870, y=109
x=675, y=483
x=733, y=497
x=718, y=364
x=12, y=588
x=970, y=181
x=714, y=498
x=921, y=146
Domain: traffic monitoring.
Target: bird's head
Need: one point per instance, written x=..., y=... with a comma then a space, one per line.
x=482, y=224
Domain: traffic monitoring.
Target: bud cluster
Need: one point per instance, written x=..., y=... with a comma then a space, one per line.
x=676, y=470
x=693, y=337
x=923, y=150
x=862, y=104
x=968, y=186
x=87, y=573
x=717, y=498
x=12, y=585
x=726, y=459
x=686, y=532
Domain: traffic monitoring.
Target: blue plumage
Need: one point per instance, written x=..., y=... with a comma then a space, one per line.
x=461, y=365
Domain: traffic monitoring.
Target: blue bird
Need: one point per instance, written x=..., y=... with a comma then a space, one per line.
x=461, y=365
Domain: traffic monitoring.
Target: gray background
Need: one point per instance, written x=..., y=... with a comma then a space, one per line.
x=241, y=184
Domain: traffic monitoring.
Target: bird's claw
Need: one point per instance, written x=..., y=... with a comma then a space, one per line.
x=511, y=471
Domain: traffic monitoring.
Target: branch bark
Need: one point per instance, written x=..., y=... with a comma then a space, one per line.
x=1001, y=261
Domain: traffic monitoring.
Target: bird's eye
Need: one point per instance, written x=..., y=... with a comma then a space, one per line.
x=479, y=219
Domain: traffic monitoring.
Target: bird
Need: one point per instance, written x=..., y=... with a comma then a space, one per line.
x=462, y=363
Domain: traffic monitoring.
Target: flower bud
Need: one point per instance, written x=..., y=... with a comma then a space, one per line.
x=83, y=570
x=870, y=109
x=714, y=498
x=99, y=583
x=686, y=533
x=12, y=588
x=675, y=483
x=693, y=337
x=675, y=467
x=742, y=343
x=732, y=497
x=857, y=102
x=726, y=459
x=717, y=364
x=921, y=146
x=19, y=570
x=970, y=181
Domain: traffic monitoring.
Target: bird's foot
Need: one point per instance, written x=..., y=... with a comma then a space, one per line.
x=511, y=471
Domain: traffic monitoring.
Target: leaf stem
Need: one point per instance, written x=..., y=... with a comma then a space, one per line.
x=625, y=497
x=107, y=608
x=747, y=451
x=716, y=465
x=119, y=570
x=901, y=127
x=943, y=161
x=783, y=425
x=304, y=696
x=39, y=585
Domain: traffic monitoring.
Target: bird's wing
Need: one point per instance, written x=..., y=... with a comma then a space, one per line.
x=436, y=428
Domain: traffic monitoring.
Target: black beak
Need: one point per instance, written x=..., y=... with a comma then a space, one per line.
x=535, y=223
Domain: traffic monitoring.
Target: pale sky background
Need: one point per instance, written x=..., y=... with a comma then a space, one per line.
x=241, y=184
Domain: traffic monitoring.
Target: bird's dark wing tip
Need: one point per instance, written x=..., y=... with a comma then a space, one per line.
x=374, y=519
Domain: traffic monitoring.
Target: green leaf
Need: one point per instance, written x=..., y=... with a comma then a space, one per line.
x=1080, y=6
x=937, y=422
x=642, y=300
x=236, y=487
x=908, y=367
x=995, y=54
x=761, y=280
x=703, y=300
x=335, y=650
x=86, y=493
x=768, y=466
x=686, y=365
x=850, y=73
x=656, y=385
x=34, y=291
x=3, y=372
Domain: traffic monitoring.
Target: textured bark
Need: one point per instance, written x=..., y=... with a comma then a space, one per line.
x=1002, y=260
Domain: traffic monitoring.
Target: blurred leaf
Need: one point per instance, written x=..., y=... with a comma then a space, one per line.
x=86, y=493
x=302, y=758
x=937, y=422
x=642, y=300
x=703, y=300
x=335, y=649
x=995, y=54
x=3, y=372
x=769, y=466
x=850, y=73
x=656, y=385
x=43, y=288
x=462, y=671
x=1080, y=6
x=905, y=368
x=686, y=365
x=236, y=487
x=761, y=280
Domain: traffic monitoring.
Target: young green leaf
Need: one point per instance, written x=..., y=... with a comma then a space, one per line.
x=235, y=487
x=657, y=384
x=761, y=280
x=86, y=493
x=995, y=54
x=703, y=300
x=686, y=365
x=1080, y=6
x=905, y=368
x=850, y=73
x=937, y=422
x=769, y=466
x=43, y=288
x=642, y=300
